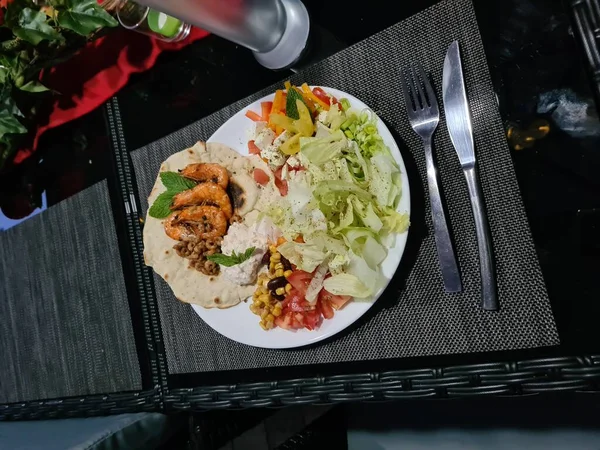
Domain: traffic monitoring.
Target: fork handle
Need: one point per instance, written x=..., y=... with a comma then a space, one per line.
x=489, y=299
x=445, y=251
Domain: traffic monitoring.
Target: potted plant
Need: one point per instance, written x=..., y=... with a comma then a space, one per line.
x=34, y=36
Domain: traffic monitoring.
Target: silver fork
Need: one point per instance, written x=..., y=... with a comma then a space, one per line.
x=424, y=116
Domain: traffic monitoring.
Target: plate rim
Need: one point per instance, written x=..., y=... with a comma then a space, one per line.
x=205, y=313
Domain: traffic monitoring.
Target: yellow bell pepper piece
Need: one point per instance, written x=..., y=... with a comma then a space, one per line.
x=304, y=124
x=291, y=146
x=316, y=100
x=279, y=120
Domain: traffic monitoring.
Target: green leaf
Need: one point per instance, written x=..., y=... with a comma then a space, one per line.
x=161, y=208
x=249, y=252
x=9, y=124
x=34, y=86
x=233, y=260
x=175, y=182
x=84, y=17
x=32, y=27
x=291, y=109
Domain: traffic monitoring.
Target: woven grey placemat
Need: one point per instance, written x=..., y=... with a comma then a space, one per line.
x=65, y=328
x=419, y=318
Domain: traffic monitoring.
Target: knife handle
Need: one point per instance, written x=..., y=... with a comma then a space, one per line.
x=484, y=242
x=445, y=251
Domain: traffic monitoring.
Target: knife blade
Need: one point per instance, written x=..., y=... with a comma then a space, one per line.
x=460, y=128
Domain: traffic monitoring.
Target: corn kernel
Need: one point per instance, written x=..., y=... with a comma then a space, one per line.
x=276, y=311
x=279, y=273
x=281, y=240
x=272, y=265
x=273, y=249
x=263, y=325
x=287, y=273
x=270, y=318
x=280, y=291
x=279, y=266
x=276, y=257
x=264, y=298
x=264, y=314
x=288, y=288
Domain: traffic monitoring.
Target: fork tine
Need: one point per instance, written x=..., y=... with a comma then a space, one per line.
x=409, y=95
x=431, y=98
x=422, y=98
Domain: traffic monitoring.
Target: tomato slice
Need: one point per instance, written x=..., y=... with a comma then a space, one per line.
x=284, y=321
x=300, y=280
x=325, y=97
x=282, y=185
x=312, y=319
x=337, y=301
x=253, y=116
x=325, y=307
x=261, y=177
x=253, y=148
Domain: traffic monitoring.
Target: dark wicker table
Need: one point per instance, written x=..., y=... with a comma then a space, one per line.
x=543, y=62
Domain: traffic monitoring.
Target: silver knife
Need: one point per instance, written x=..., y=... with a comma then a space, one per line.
x=458, y=118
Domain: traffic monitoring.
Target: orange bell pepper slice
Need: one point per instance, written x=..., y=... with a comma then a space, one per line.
x=316, y=100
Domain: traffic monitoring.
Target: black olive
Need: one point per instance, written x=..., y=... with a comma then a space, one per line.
x=286, y=264
x=276, y=283
x=266, y=258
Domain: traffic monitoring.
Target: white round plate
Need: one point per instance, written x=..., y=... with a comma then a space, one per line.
x=238, y=323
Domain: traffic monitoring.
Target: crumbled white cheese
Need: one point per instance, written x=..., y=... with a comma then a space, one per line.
x=264, y=138
x=322, y=117
x=294, y=162
x=255, y=129
x=273, y=156
x=272, y=153
x=258, y=127
x=285, y=171
x=282, y=139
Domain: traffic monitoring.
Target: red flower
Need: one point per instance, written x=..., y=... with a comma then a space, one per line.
x=5, y=3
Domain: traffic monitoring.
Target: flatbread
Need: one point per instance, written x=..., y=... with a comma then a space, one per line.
x=189, y=285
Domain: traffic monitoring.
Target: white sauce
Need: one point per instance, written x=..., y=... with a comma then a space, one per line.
x=241, y=237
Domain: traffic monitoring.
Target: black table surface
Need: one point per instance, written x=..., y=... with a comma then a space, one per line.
x=539, y=76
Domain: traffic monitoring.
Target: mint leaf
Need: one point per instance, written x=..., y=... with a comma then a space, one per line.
x=223, y=260
x=32, y=27
x=248, y=253
x=161, y=207
x=291, y=109
x=175, y=182
x=84, y=17
x=233, y=260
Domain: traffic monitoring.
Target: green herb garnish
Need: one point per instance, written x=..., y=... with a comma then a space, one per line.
x=175, y=184
x=233, y=260
x=291, y=109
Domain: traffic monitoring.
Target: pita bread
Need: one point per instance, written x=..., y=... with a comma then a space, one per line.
x=189, y=285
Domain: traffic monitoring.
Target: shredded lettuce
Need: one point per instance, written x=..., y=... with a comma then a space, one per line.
x=320, y=150
x=344, y=204
x=306, y=257
x=346, y=284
